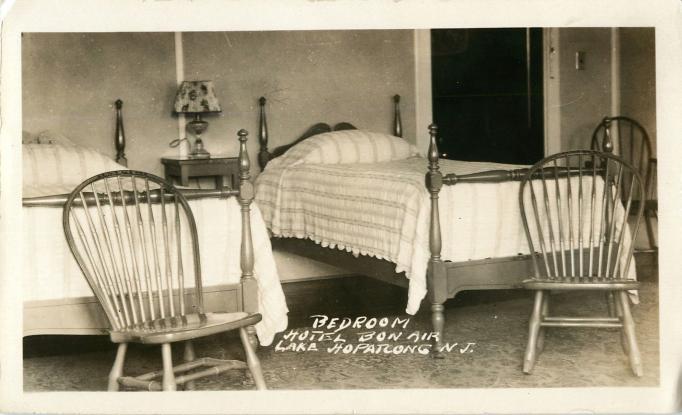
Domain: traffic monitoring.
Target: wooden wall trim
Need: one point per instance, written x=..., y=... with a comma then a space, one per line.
x=179, y=77
x=551, y=88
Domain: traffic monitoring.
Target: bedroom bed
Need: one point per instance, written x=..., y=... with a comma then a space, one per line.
x=232, y=237
x=334, y=188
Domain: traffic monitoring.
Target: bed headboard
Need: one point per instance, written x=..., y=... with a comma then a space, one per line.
x=265, y=155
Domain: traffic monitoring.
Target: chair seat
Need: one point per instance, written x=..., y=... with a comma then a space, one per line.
x=180, y=328
x=584, y=283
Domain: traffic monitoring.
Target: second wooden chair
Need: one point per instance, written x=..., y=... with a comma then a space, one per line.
x=629, y=140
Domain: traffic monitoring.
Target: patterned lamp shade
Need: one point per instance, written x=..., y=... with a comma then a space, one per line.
x=196, y=97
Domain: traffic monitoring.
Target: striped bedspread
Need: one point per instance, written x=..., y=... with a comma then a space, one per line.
x=382, y=210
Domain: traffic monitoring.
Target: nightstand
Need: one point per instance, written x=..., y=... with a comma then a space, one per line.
x=185, y=168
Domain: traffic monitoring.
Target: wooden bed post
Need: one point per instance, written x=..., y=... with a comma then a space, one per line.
x=397, y=122
x=263, y=154
x=246, y=194
x=120, y=138
x=607, y=144
x=436, y=276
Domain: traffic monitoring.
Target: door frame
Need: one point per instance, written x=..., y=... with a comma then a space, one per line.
x=551, y=91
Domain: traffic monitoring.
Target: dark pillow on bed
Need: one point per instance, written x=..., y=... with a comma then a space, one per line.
x=349, y=146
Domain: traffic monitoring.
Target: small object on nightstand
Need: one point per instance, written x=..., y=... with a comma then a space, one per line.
x=185, y=168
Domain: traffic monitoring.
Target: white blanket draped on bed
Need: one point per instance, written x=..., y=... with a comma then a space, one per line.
x=383, y=210
x=50, y=271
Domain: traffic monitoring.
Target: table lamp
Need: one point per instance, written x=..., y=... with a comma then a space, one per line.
x=197, y=98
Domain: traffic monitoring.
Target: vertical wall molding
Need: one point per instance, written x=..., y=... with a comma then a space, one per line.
x=179, y=77
x=422, y=85
x=551, y=88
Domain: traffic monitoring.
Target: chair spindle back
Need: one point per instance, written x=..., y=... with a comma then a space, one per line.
x=629, y=140
x=575, y=207
x=134, y=237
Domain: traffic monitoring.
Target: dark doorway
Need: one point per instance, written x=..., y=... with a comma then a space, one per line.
x=487, y=94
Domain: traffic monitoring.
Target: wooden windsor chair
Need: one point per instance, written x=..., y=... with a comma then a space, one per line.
x=135, y=239
x=629, y=140
x=574, y=208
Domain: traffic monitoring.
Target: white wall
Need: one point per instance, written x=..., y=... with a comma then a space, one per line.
x=71, y=80
x=586, y=95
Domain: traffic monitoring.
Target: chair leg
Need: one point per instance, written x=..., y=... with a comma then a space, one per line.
x=251, y=331
x=252, y=360
x=117, y=369
x=168, y=380
x=610, y=303
x=629, y=329
x=653, y=244
x=623, y=337
x=189, y=356
x=544, y=312
x=533, y=331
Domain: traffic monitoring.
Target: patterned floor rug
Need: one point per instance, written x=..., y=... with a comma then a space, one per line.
x=485, y=337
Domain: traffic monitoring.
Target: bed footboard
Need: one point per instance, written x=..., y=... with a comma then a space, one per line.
x=245, y=197
x=436, y=274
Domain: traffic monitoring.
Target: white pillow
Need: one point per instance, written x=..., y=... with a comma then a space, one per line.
x=62, y=165
x=350, y=146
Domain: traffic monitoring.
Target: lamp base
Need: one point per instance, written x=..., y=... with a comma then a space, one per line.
x=199, y=152
x=197, y=125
